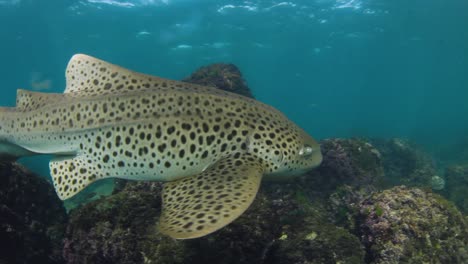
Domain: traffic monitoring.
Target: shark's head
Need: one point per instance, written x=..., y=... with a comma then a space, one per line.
x=292, y=152
x=304, y=154
x=307, y=156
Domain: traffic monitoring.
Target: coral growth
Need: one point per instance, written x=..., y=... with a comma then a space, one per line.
x=111, y=229
x=405, y=163
x=122, y=228
x=317, y=242
x=279, y=227
x=307, y=235
x=353, y=162
x=456, y=188
x=351, y=169
x=404, y=225
x=343, y=205
x=222, y=76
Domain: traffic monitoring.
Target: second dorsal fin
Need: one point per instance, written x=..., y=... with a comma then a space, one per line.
x=28, y=100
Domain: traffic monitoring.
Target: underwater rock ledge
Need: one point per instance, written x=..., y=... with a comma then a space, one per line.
x=409, y=225
x=457, y=185
x=349, y=221
x=32, y=218
x=345, y=211
x=279, y=227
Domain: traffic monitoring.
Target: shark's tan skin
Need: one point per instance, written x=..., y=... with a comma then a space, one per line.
x=211, y=147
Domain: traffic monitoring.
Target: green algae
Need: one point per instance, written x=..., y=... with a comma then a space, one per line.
x=378, y=210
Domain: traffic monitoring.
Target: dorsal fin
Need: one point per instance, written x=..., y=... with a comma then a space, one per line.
x=88, y=76
x=27, y=100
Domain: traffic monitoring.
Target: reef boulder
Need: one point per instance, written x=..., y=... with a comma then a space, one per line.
x=222, y=76
x=353, y=162
x=123, y=228
x=32, y=218
x=405, y=163
x=306, y=233
x=111, y=229
x=279, y=227
x=457, y=186
x=409, y=225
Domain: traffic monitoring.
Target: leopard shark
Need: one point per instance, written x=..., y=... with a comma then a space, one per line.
x=211, y=148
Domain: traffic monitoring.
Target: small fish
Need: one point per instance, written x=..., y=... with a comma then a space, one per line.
x=211, y=147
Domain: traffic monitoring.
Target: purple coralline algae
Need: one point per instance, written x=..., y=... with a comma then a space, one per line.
x=409, y=225
x=350, y=161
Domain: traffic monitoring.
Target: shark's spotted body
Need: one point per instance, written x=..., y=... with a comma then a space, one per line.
x=211, y=146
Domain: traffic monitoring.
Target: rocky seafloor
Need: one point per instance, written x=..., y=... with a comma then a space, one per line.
x=370, y=201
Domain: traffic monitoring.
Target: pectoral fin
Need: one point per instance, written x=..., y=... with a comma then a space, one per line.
x=199, y=205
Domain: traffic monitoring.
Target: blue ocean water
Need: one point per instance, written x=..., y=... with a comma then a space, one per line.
x=339, y=68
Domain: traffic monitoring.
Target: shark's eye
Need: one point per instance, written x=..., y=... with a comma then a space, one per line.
x=306, y=151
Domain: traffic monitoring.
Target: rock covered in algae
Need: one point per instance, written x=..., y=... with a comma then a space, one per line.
x=456, y=187
x=409, y=225
x=111, y=229
x=343, y=204
x=243, y=241
x=405, y=163
x=350, y=170
x=122, y=228
x=222, y=76
x=319, y=242
x=32, y=218
x=353, y=162
x=307, y=235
